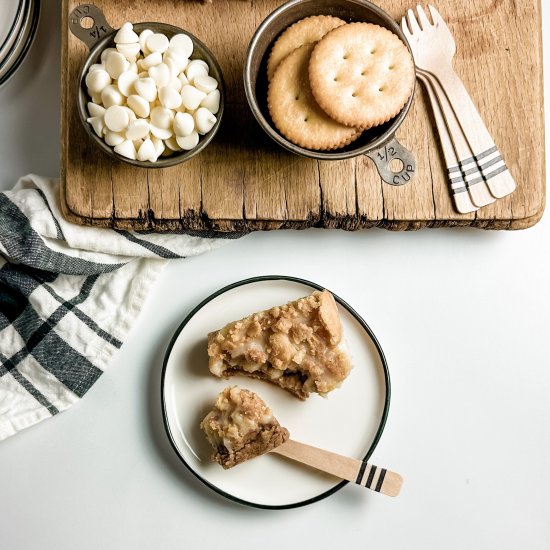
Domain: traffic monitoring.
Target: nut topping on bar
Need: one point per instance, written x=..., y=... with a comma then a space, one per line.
x=240, y=427
x=297, y=346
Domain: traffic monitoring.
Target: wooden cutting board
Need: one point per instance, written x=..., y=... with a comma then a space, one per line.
x=244, y=181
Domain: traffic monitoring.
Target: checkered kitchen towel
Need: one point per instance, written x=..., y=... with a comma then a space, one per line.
x=68, y=297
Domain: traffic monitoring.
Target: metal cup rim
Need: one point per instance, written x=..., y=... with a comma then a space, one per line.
x=268, y=126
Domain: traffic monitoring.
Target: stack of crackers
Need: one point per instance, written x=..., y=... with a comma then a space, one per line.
x=329, y=81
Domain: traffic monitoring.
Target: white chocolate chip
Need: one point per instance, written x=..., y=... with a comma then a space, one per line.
x=172, y=144
x=95, y=110
x=160, y=74
x=114, y=138
x=203, y=63
x=126, y=35
x=169, y=97
x=205, y=83
x=162, y=117
x=116, y=118
x=183, y=79
x=126, y=82
x=178, y=57
x=139, y=105
x=147, y=152
x=126, y=149
x=204, y=120
x=137, y=129
x=159, y=145
x=191, y=97
x=157, y=42
x=182, y=42
x=184, y=124
x=131, y=114
x=151, y=60
x=105, y=53
x=116, y=64
x=146, y=88
x=96, y=67
x=188, y=142
x=212, y=102
x=129, y=51
x=196, y=68
x=96, y=98
x=161, y=133
x=111, y=96
x=97, y=80
x=97, y=124
x=143, y=41
x=171, y=64
x=176, y=84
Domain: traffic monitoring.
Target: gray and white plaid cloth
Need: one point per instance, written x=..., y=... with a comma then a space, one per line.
x=68, y=297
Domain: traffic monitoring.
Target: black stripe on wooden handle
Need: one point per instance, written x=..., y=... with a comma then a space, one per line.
x=477, y=158
x=486, y=153
x=380, y=480
x=496, y=172
x=370, y=477
x=361, y=472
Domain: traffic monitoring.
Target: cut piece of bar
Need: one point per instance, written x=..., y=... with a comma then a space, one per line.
x=297, y=346
x=240, y=427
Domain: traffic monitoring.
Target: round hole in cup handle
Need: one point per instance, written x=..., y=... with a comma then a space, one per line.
x=99, y=28
x=396, y=164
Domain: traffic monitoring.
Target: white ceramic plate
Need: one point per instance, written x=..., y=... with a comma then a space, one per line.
x=11, y=18
x=22, y=40
x=349, y=421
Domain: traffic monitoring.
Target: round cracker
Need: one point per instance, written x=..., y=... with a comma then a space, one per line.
x=306, y=31
x=361, y=74
x=294, y=110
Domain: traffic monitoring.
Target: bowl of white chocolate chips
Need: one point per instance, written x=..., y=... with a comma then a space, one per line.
x=150, y=94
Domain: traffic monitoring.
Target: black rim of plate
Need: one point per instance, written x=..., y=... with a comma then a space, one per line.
x=356, y=316
x=20, y=28
x=13, y=25
x=35, y=16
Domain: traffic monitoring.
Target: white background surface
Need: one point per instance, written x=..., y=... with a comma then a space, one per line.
x=464, y=319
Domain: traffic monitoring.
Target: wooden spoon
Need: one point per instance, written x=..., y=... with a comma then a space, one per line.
x=358, y=471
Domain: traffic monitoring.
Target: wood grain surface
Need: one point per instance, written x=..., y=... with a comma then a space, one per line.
x=243, y=181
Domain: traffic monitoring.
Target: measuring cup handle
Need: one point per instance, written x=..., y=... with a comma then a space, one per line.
x=99, y=27
x=383, y=156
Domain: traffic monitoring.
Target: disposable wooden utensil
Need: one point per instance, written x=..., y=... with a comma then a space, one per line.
x=433, y=48
x=459, y=189
x=466, y=168
x=358, y=471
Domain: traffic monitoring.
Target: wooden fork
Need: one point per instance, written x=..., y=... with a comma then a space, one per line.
x=433, y=48
x=459, y=188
